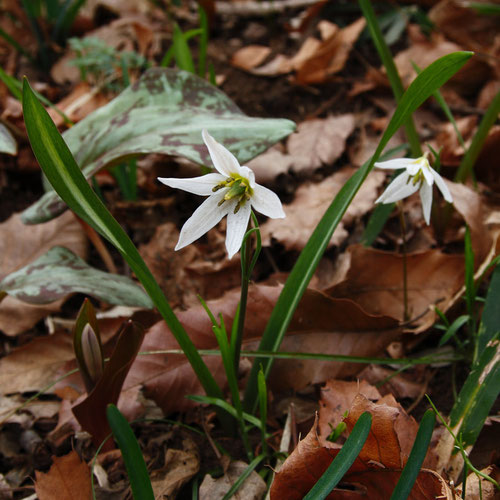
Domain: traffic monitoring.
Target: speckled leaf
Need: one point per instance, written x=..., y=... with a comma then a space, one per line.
x=163, y=112
x=7, y=142
x=60, y=272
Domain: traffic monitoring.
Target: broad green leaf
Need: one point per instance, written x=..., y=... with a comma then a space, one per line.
x=60, y=272
x=132, y=456
x=7, y=142
x=163, y=112
x=64, y=175
x=424, y=85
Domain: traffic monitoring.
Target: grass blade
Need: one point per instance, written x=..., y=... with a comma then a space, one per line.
x=131, y=453
x=343, y=461
x=424, y=85
x=416, y=458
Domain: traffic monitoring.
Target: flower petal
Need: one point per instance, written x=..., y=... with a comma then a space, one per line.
x=202, y=185
x=426, y=198
x=443, y=187
x=395, y=163
x=204, y=218
x=399, y=188
x=237, y=225
x=224, y=161
x=267, y=203
x=429, y=174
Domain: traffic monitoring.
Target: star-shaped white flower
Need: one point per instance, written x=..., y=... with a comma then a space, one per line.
x=230, y=192
x=418, y=176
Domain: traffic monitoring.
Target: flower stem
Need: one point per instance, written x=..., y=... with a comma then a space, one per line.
x=402, y=224
x=247, y=265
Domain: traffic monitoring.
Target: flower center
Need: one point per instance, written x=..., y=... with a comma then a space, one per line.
x=419, y=177
x=239, y=188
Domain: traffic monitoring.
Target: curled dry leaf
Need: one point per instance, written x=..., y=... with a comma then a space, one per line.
x=311, y=202
x=377, y=469
x=319, y=142
x=20, y=245
x=68, y=476
x=320, y=325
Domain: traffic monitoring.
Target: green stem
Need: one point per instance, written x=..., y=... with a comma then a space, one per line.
x=392, y=72
x=247, y=265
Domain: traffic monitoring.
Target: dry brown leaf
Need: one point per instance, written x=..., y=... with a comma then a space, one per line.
x=20, y=245
x=465, y=26
x=320, y=324
x=423, y=51
x=269, y=165
x=253, y=488
x=180, y=465
x=67, y=479
x=480, y=489
x=485, y=167
x=375, y=281
x=377, y=469
x=331, y=56
x=249, y=57
x=337, y=397
x=311, y=202
x=319, y=142
x=447, y=143
x=80, y=102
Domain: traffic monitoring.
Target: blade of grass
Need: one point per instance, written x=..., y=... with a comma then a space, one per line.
x=202, y=52
x=131, y=453
x=60, y=167
x=392, y=72
x=416, y=458
x=16, y=45
x=343, y=461
x=182, y=53
x=424, y=85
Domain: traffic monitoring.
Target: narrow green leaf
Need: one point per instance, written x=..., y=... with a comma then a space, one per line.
x=453, y=329
x=60, y=272
x=478, y=394
x=417, y=455
x=182, y=53
x=490, y=319
x=343, y=461
x=132, y=455
x=66, y=178
x=424, y=85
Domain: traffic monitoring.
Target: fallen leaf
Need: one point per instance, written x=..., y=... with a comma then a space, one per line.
x=375, y=282
x=180, y=465
x=250, y=56
x=331, y=56
x=309, y=205
x=253, y=488
x=478, y=488
x=21, y=245
x=319, y=142
x=425, y=50
x=67, y=479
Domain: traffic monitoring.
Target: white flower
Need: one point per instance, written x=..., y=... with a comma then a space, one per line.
x=418, y=176
x=230, y=192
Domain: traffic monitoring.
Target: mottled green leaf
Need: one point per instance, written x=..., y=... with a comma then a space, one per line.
x=7, y=142
x=60, y=272
x=163, y=112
